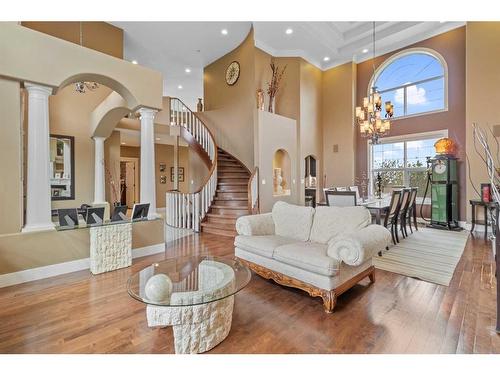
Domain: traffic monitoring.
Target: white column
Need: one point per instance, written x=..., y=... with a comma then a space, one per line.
x=38, y=195
x=148, y=181
x=99, y=180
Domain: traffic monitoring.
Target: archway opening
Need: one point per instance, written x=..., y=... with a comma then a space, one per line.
x=310, y=176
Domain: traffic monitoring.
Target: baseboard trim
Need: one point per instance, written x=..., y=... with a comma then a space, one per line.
x=52, y=270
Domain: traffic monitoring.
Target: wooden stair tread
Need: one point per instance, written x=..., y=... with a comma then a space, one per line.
x=231, y=199
x=218, y=225
x=223, y=216
x=233, y=191
x=233, y=183
x=239, y=208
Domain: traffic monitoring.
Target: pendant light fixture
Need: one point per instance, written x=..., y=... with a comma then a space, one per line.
x=369, y=116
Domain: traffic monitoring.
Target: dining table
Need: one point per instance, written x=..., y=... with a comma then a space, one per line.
x=377, y=206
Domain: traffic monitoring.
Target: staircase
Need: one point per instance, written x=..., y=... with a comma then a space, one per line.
x=231, y=198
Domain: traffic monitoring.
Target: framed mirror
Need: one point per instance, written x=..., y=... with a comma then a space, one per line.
x=62, y=167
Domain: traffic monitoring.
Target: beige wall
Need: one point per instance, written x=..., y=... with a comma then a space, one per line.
x=164, y=154
x=28, y=55
x=311, y=127
x=22, y=251
x=11, y=187
x=112, y=167
x=274, y=132
x=99, y=36
x=69, y=114
x=338, y=93
x=483, y=94
x=229, y=109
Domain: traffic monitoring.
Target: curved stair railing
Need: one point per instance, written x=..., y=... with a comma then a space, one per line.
x=187, y=210
x=253, y=192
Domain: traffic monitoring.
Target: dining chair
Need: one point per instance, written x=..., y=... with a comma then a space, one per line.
x=412, y=209
x=341, y=198
x=392, y=215
x=356, y=189
x=403, y=211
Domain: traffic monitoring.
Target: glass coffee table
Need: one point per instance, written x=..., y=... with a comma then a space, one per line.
x=194, y=295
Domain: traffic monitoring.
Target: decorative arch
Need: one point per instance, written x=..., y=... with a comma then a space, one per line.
x=130, y=99
x=410, y=51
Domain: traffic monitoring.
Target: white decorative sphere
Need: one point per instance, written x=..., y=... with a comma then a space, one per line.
x=158, y=288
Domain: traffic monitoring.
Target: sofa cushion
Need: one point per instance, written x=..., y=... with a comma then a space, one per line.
x=309, y=256
x=261, y=245
x=330, y=222
x=292, y=221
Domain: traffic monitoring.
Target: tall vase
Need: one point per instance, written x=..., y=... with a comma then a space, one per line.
x=260, y=99
x=199, y=105
x=270, y=108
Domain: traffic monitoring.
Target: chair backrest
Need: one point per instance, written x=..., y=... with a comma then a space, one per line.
x=356, y=189
x=341, y=198
x=413, y=197
x=393, y=207
x=405, y=201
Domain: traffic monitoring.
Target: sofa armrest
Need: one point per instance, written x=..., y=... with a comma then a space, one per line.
x=356, y=248
x=255, y=225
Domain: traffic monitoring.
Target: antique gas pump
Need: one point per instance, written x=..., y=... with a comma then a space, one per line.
x=443, y=180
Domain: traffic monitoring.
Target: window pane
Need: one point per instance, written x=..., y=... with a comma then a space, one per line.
x=407, y=69
x=388, y=155
x=419, y=180
x=417, y=152
x=425, y=97
x=390, y=179
x=396, y=97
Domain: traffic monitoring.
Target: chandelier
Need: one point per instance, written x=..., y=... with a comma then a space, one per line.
x=369, y=116
x=82, y=86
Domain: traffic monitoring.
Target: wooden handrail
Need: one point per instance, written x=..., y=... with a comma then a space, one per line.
x=214, y=161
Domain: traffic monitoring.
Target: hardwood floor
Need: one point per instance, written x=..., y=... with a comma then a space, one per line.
x=80, y=313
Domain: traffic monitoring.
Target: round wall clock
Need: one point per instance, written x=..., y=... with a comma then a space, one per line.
x=232, y=73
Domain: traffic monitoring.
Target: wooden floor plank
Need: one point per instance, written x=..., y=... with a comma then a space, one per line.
x=80, y=313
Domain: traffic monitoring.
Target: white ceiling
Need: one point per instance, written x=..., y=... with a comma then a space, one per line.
x=171, y=47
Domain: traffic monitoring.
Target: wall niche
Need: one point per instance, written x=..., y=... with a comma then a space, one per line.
x=282, y=172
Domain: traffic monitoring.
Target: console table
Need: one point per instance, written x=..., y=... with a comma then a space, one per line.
x=486, y=206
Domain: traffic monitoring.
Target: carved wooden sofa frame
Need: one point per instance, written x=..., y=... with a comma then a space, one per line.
x=329, y=296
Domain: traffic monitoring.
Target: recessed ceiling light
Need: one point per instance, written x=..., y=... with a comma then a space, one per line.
x=365, y=50
x=326, y=58
x=187, y=70
x=134, y=62
x=123, y=143
x=223, y=31
x=179, y=87
x=289, y=31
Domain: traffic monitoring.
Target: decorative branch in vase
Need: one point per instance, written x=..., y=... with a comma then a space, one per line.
x=115, y=186
x=274, y=86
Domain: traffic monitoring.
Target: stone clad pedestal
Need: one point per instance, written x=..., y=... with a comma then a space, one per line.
x=110, y=247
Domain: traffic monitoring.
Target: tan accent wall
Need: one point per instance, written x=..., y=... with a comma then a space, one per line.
x=229, y=109
x=338, y=96
x=11, y=186
x=99, y=36
x=22, y=251
x=451, y=46
x=483, y=95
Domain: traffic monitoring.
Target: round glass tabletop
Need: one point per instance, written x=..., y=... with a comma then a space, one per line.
x=188, y=281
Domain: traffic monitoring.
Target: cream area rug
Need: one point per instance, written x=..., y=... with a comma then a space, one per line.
x=428, y=254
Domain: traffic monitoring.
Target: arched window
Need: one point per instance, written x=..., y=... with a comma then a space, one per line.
x=414, y=80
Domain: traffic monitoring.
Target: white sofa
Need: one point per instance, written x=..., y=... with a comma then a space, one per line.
x=324, y=251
